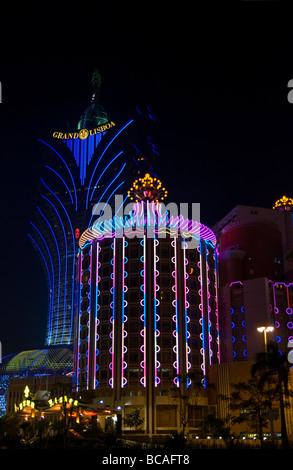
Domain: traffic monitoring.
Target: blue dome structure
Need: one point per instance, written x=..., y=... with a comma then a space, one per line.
x=33, y=363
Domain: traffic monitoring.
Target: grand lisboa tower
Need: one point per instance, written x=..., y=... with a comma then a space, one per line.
x=78, y=168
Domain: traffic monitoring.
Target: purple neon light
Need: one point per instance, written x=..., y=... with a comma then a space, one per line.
x=79, y=267
x=112, y=305
x=201, y=321
x=156, y=316
x=89, y=320
x=186, y=227
x=143, y=315
x=175, y=317
x=217, y=308
x=124, y=318
x=97, y=321
x=186, y=306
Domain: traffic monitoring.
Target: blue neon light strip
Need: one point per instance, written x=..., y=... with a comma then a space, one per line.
x=111, y=196
x=50, y=287
x=66, y=167
x=49, y=168
x=66, y=250
x=101, y=174
x=102, y=154
x=110, y=184
x=51, y=262
x=83, y=151
x=59, y=264
x=39, y=354
x=73, y=240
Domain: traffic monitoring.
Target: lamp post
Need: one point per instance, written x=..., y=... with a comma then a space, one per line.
x=265, y=330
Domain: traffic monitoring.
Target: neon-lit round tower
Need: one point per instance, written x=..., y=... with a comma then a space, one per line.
x=147, y=316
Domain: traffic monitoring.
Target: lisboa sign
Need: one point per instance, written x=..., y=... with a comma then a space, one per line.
x=83, y=133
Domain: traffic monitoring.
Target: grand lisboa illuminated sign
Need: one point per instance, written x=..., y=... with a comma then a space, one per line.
x=83, y=133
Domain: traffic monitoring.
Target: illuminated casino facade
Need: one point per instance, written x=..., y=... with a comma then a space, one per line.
x=78, y=169
x=147, y=306
x=256, y=279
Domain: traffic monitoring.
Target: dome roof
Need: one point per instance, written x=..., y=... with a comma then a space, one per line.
x=38, y=361
x=93, y=116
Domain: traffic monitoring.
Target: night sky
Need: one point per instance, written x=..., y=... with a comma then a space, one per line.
x=216, y=82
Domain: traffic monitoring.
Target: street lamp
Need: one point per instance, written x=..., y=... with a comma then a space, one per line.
x=265, y=330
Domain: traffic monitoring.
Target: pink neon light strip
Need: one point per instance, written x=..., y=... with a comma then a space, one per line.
x=113, y=313
x=198, y=230
x=96, y=315
x=217, y=308
x=89, y=320
x=79, y=313
x=122, y=325
x=156, y=302
x=203, y=365
x=176, y=303
x=208, y=309
x=185, y=307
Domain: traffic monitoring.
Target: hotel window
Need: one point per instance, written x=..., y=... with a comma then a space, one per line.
x=105, y=314
x=133, y=357
x=166, y=311
x=165, y=296
x=165, y=281
x=105, y=328
x=105, y=270
x=134, y=281
x=133, y=266
x=165, y=267
x=105, y=256
x=134, y=295
x=105, y=284
x=166, y=341
x=133, y=373
x=85, y=277
x=166, y=373
x=105, y=299
x=165, y=253
x=104, y=343
x=133, y=341
x=134, y=252
x=133, y=327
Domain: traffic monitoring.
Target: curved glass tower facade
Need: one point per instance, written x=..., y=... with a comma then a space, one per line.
x=79, y=169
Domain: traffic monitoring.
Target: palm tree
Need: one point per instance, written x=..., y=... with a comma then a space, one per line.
x=271, y=363
x=247, y=403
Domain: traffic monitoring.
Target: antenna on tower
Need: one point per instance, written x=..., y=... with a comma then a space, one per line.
x=96, y=85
